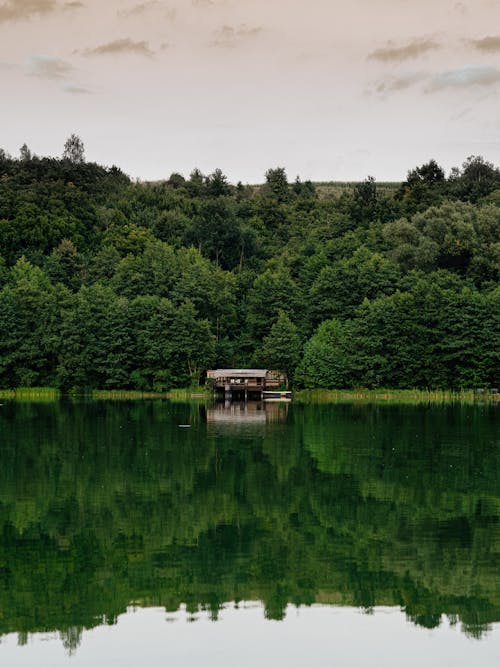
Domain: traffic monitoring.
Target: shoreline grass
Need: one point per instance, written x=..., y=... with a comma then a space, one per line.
x=304, y=396
x=31, y=394
x=193, y=393
x=189, y=394
x=49, y=393
x=393, y=396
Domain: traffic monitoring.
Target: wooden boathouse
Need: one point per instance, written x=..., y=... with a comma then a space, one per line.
x=245, y=382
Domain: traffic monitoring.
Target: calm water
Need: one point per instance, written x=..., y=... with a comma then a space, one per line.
x=346, y=535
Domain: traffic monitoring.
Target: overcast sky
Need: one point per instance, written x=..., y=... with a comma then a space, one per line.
x=330, y=89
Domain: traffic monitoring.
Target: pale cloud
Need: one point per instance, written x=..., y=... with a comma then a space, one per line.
x=488, y=44
x=19, y=10
x=460, y=8
x=398, y=83
x=149, y=6
x=413, y=49
x=229, y=36
x=15, y=10
x=121, y=46
x=466, y=77
x=75, y=89
x=48, y=67
x=464, y=113
x=471, y=76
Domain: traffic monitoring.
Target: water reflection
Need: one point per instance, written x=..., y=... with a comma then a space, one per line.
x=237, y=416
x=103, y=505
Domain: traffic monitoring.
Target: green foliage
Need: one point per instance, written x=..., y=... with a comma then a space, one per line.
x=277, y=184
x=271, y=292
x=341, y=286
x=430, y=336
x=327, y=360
x=281, y=349
x=216, y=232
x=477, y=179
x=90, y=261
x=424, y=186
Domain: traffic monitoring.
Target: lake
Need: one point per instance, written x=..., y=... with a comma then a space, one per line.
x=187, y=534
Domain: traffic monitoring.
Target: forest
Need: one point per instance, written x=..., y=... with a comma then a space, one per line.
x=110, y=283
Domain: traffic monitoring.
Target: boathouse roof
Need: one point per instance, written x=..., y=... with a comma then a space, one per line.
x=239, y=373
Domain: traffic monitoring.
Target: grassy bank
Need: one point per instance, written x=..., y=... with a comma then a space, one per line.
x=305, y=396
x=392, y=396
x=50, y=394
x=175, y=394
x=31, y=394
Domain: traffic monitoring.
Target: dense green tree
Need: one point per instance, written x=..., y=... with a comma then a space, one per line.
x=424, y=186
x=281, y=348
x=176, y=181
x=215, y=231
x=328, y=358
x=217, y=184
x=271, y=292
x=476, y=179
x=365, y=200
x=27, y=302
x=65, y=265
x=95, y=342
x=277, y=185
x=342, y=286
x=176, y=346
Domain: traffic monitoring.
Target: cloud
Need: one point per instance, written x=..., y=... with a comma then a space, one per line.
x=210, y=4
x=229, y=37
x=414, y=49
x=465, y=77
x=8, y=66
x=464, y=113
x=121, y=46
x=148, y=6
x=47, y=67
x=75, y=89
x=398, y=83
x=460, y=8
x=22, y=10
x=487, y=44
x=17, y=10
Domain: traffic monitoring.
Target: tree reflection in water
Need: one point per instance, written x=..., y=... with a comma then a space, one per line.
x=104, y=504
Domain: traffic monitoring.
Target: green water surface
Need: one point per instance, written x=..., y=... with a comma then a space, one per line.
x=191, y=509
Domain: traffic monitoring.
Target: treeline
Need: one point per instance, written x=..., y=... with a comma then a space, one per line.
x=107, y=283
x=340, y=507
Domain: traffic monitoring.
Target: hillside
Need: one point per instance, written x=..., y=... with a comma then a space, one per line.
x=106, y=283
